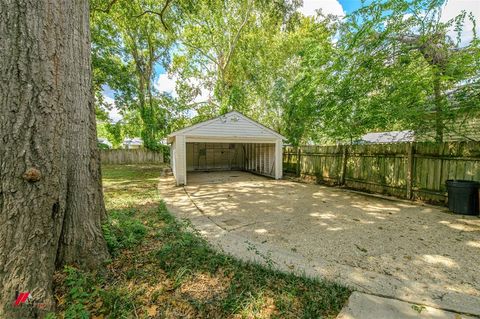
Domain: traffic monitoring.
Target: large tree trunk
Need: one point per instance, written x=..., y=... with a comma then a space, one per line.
x=51, y=203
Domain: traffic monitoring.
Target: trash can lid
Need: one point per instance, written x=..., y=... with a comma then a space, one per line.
x=461, y=183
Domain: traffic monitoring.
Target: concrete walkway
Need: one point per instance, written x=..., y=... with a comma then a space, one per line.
x=412, y=253
x=364, y=306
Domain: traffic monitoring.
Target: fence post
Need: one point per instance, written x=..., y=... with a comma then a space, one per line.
x=299, y=155
x=343, y=170
x=409, y=175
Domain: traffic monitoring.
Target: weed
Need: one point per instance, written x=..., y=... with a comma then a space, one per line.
x=118, y=303
x=122, y=230
x=267, y=258
x=418, y=308
x=79, y=293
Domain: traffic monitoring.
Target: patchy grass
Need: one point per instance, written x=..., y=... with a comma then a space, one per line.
x=161, y=270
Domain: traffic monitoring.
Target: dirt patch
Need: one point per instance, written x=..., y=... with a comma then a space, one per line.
x=205, y=287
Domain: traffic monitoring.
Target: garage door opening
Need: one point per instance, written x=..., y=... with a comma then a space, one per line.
x=258, y=158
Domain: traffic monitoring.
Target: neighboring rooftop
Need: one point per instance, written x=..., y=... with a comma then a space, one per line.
x=387, y=137
x=132, y=141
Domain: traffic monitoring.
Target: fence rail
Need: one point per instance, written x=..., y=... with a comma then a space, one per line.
x=135, y=156
x=407, y=170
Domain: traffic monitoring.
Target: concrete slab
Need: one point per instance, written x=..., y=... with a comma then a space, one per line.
x=410, y=252
x=363, y=306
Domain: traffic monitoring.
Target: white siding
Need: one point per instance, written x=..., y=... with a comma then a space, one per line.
x=180, y=160
x=231, y=125
x=278, y=159
x=173, y=154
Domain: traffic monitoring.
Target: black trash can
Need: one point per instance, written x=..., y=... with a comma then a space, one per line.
x=463, y=197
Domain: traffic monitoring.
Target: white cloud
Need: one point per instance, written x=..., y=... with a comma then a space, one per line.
x=166, y=84
x=454, y=7
x=204, y=95
x=328, y=7
x=113, y=112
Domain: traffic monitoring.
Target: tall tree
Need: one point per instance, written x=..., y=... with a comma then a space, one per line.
x=395, y=66
x=130, y=40
x=51, y=203
x=236, y=51
x=405, y=61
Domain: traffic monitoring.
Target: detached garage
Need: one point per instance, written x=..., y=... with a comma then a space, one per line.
x=229, y=142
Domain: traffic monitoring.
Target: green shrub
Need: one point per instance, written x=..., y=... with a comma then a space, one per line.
x=122, y=230
x=103, y=146
x=79, y=293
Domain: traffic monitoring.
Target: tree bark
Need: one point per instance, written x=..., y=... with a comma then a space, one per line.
x=437, y=97
x=51, y=201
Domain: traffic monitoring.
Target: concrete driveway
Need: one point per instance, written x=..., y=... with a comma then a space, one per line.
x=411, y=252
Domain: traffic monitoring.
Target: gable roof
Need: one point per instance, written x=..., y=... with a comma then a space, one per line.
x=239, y=124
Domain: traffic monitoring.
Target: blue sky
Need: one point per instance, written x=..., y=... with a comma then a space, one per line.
x=349, y=5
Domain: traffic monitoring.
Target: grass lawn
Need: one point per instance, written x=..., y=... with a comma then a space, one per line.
x=159, y=269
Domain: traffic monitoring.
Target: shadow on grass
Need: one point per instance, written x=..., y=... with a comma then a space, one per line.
x=250, y=287
x=160, y=268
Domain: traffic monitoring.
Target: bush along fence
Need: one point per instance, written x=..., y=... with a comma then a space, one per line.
x=406, y=170
x=135, y=156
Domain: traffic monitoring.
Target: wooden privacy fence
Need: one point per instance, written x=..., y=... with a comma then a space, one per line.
x=135, y=156
x=407, y=170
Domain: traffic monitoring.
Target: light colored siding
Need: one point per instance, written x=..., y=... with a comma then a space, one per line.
x=465, y=127
x=173, y=155
x=229, y=127
x=278, y=159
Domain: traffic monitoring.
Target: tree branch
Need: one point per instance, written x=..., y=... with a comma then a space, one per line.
x=205, y=54
x=237, y=36
x=160, y=14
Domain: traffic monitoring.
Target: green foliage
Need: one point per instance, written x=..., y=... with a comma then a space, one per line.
x=85, y=290
x=391, y=69
x=103, y=146
x=79, y=293
x=391, y=65
x=122, y=230
x=153, y=277
x=164, y=149
x=128, y=41
x=238, y=53
x=117, y=303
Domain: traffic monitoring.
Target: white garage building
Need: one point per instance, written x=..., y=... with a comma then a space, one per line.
x=229, y=142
